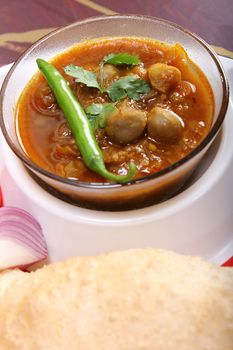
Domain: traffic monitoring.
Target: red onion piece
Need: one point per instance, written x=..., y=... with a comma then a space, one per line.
x=21, y=239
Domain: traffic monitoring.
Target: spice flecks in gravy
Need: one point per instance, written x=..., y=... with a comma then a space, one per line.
x=47, y=139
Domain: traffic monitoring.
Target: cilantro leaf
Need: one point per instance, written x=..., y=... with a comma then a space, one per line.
x=139, y=87
x=82, y=75
x=131, y=86
x=121, y=58
x=97, y=113
x=116, y=59
x=95, y=108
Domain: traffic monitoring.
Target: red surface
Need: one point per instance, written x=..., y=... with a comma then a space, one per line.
x=229, y=263
x=1, y=201
x=211, y=19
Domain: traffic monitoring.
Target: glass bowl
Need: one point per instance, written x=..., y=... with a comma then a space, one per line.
x=136, y=193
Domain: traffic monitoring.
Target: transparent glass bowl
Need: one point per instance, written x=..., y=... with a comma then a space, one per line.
x=136, y=193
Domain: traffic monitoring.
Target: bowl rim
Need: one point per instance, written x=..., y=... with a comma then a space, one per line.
x=106, y=185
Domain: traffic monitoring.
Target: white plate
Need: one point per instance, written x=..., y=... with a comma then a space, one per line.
x=198, y=221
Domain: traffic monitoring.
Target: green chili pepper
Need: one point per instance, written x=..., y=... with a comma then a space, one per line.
x=79, y=124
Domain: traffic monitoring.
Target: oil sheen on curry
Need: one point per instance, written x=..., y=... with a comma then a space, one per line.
x=146, y=101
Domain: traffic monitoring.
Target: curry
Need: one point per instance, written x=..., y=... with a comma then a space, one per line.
x=146, y=102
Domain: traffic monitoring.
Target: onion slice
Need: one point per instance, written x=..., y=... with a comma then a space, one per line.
x=21, y=239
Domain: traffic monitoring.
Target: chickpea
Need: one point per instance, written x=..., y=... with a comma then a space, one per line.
x=126, y=125
x=164, y=125
x=110, y=73
x=181, y=91
x=163, y=77
x=140, y=71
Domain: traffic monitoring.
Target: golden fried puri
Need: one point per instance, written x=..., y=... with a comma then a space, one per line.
x=132, y=300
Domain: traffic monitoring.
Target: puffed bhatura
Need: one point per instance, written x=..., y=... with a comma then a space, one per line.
x=132, y=300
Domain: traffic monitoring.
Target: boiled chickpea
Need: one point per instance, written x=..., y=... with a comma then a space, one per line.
x=163, y=77
x=182, y=90
x=164, y=125
x=140, y=71
x=110, y=73
x=126, y=125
